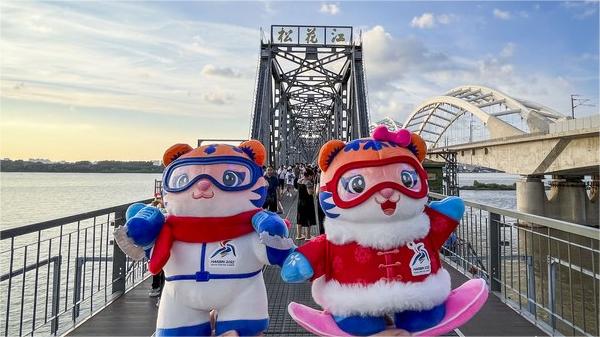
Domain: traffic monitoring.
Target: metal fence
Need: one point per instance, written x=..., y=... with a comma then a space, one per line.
x=56, y=273
x=545, y=269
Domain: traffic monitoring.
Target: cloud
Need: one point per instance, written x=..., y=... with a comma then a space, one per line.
x=331, y=9
x=217, y=96
x=508, y=50
x=502, y=15
x=403, y=72
x=144, y=62
x=429, y=20
x=212, y=70
x=582, y=9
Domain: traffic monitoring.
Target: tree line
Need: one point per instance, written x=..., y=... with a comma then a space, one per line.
x=104, y=166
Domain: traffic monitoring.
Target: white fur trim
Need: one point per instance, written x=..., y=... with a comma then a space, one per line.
x=381, y=297
x=275, y=241
x=126, y=244
x=383, y=236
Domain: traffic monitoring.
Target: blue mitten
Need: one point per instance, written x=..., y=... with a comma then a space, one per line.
x=296, y=268
x=143, y=228
x=133, y=209
x=273, y=233
x=265, y=221
x=453, y=207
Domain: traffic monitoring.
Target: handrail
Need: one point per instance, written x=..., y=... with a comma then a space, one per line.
x=569, y=227
x=21, y=230
x=59, y=271
x=545, y=269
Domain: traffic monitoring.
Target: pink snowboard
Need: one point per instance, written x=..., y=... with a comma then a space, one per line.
x=462, y=304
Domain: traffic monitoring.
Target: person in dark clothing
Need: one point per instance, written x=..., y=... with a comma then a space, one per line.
x=271, y=201
x=306, y=204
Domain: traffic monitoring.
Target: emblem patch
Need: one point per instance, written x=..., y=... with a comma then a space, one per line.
x=420, y=264
x=224, y=256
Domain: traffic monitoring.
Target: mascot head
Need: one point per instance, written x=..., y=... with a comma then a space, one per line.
x=373, y=187
x=214, y=180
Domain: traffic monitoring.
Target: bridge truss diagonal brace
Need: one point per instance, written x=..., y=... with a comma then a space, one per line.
x=303, y=99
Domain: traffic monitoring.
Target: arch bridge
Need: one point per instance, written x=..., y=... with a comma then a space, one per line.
x=482, y=126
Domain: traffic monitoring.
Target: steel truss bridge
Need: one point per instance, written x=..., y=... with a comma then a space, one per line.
x=310, y=89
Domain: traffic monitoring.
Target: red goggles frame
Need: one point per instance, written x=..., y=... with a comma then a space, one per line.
x=331, y=186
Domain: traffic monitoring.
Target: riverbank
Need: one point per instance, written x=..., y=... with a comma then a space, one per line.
x=104, y=166
x=479, y=186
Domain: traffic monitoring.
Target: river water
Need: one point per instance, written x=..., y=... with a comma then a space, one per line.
x=27, y=198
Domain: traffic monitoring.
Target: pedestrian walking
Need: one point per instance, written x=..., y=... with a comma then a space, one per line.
x=289, y=181
x=271, y=200
x=306, y=217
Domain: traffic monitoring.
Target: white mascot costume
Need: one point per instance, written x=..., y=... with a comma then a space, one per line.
x=214, y=241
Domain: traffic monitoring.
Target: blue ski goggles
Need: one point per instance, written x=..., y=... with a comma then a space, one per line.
x=228, y=173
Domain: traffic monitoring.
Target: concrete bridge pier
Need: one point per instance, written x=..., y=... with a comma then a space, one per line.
x=568, y=199
x=531, y=196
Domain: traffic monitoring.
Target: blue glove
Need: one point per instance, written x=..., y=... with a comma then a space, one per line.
x=133, y=209
x=453, y=207
x=143, y=228
x=265, y=221
x=296, y=268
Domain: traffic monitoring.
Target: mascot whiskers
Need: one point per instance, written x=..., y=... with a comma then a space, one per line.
x=379, y=260
x=214, y=241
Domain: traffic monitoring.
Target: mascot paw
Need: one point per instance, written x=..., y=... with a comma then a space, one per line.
x=133, y=209
x=143, y=228
x=296, y=268
x=454, y=207
x=269, y=222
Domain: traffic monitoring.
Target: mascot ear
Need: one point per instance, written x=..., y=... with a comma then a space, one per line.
x=328, y=152
x=417, y=146
x=175, y=152
x=255, y=150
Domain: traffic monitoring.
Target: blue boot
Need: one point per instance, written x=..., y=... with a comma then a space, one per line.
x=194, y=330
x=244, y=327
x=360, y=325
x=412, y=321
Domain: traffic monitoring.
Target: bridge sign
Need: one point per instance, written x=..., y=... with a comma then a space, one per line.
x=311, y=35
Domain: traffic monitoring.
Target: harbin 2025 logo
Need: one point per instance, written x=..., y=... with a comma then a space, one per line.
x=224, y=256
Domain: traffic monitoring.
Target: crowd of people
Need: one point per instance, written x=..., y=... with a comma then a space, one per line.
x=302, y=179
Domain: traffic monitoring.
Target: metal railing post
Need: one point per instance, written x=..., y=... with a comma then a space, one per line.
x=119, y=258
x=55, y=294
x=552, y=290
x=531, y=286
x=494, y=252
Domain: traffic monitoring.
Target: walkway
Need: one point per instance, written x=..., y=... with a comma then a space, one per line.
x=134, y=314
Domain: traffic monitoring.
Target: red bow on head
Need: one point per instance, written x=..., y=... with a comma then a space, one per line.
x=400, y=137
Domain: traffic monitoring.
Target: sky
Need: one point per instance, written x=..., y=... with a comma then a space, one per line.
x=125, y=80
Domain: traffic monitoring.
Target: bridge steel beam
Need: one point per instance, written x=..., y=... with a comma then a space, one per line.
x=307, y=95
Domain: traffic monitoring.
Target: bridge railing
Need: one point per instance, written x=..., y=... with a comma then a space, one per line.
x=545, y=269
x=56, y=273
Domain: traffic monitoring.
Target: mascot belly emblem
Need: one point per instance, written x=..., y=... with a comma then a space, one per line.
x=379, y=257
x=214, y=241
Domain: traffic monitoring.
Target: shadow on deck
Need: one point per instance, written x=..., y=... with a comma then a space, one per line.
x=134, y=314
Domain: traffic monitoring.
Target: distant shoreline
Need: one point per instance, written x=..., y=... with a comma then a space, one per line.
x=478, y=186
x=118, y=172
x=106, y=166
